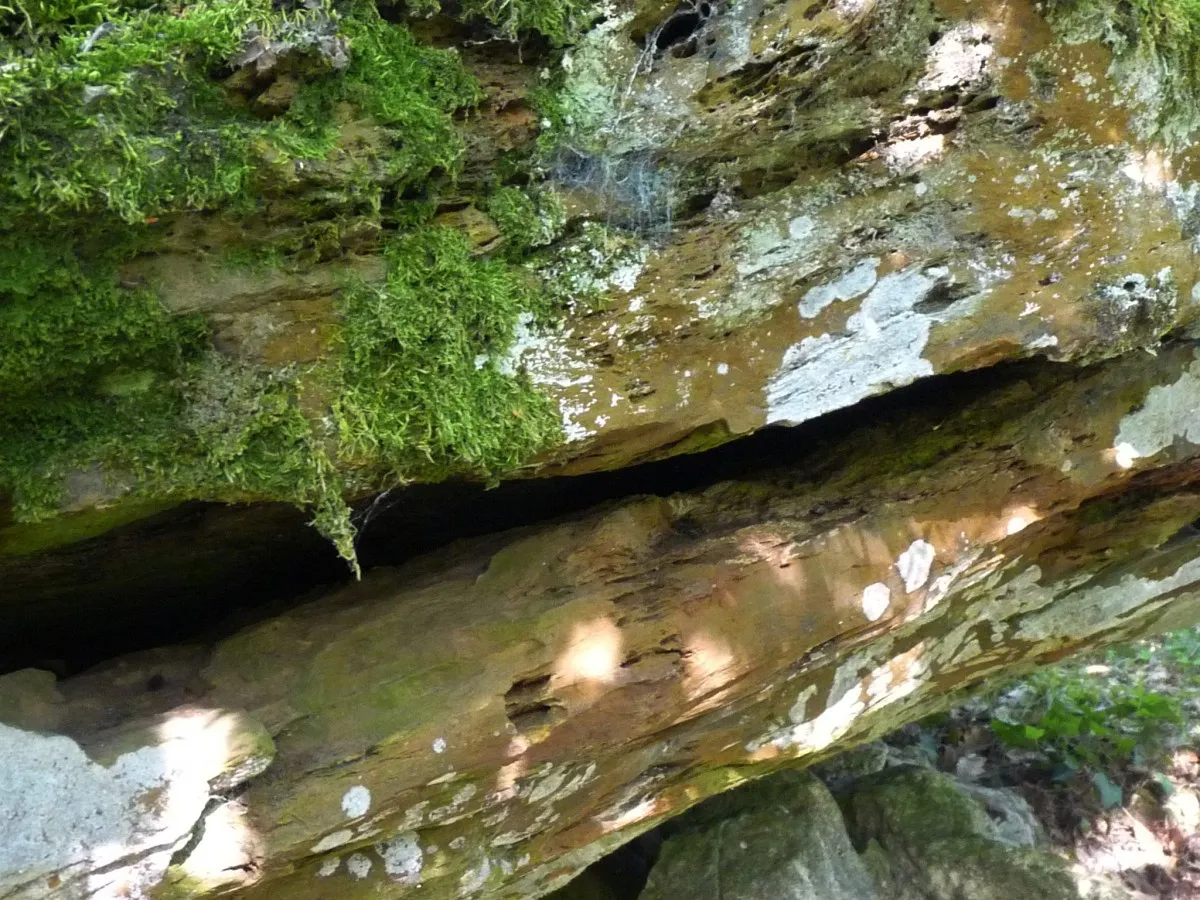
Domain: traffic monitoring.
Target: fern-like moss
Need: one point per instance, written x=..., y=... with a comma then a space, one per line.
x=423, y=388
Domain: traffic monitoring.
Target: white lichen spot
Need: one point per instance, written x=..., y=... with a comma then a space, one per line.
x=458, y=843
x=914, y=565
x=1043, y=341
x=333, y=841
x=879, y=349
x=329, y=866
x=359, y=865
x=722, y=368
x=402, y=858
x=439, y=745
x=876, y=598
x=624, y=279
x=854, y=283
x=959, y=58
x=356, y=802
x=554, y=364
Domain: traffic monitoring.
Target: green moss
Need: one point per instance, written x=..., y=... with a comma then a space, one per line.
x=559, y=20
x=30, y=537
x=131, y=121
x=216, y=430
x=422, y=390
x=1156, y=47
x=525, y=221
x=114, y=114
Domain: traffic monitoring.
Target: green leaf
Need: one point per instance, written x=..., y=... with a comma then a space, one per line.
x=1110, y=794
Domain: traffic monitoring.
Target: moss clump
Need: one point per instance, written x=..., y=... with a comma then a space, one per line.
x=422, y=387
x=214, y=430
x=64, y=323
x=1156, y=48
x=559, y=20
x=117, y=113
x=127, y=117
x=525, y=221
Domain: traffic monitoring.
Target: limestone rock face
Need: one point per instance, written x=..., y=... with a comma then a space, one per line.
x=894, y=190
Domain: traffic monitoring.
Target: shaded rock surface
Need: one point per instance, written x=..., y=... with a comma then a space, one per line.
x=927, y=838
x=490, y=719
x=782, y=837
x=922, y=836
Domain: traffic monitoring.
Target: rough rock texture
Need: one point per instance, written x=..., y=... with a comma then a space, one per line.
x=488, y=720
x=782, y=837
x=770, y=212
x=806, y=204
x=925, y=838
x=896, y=190
x=921, y=835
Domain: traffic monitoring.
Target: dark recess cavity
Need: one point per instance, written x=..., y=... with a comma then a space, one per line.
x=194, y=573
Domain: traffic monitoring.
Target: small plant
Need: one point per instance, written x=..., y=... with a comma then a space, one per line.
x=1086, y=725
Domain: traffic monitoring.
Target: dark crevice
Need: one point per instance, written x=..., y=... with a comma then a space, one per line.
x=943, y=295
x=682, y=32
x=194, y=573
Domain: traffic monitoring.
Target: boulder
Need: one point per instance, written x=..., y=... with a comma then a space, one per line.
x=925, y=837
x=782, y=838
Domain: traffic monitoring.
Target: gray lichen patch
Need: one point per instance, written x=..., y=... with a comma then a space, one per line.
x=1169, y=412
x=879, y=349
x=66, y=817
x=1076, y=615
x=853, y=284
